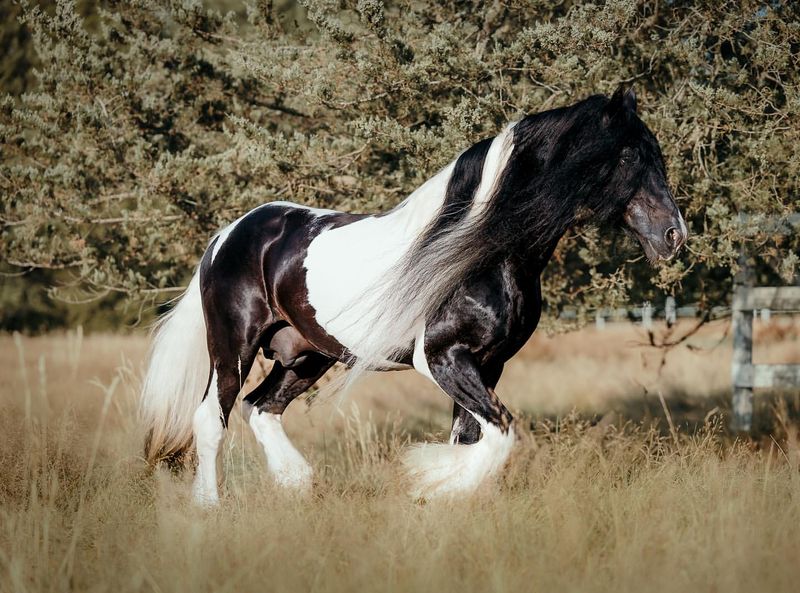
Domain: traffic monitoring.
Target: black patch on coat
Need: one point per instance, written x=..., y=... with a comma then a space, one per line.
x=461, y=189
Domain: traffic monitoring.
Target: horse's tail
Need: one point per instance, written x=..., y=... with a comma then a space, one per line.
x=176, y=379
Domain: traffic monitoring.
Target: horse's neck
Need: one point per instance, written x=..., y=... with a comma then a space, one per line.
x=530, y=267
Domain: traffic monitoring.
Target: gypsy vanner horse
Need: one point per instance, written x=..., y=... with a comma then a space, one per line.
x=447, y=282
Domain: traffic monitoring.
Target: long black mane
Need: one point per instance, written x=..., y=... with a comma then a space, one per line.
x=563, y=168
x=559, y=173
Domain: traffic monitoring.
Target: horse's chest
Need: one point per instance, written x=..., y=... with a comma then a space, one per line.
x=494, y=314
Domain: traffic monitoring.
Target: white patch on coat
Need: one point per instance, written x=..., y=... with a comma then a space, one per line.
x=344, y=264
x=347, y=268
x=495, y=163
x=315, y=211
x=208, y=433
x=438, y=470
x=418, y=358
x=224, y=233
x=286, y=464
x=454, y=430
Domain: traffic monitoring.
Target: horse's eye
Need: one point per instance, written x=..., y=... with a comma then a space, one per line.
x=628, y=157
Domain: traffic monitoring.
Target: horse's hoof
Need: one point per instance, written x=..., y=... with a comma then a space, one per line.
x=298, y=480
x=205, y=500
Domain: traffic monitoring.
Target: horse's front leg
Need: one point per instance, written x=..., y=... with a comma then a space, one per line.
x=456, y=468
x=465, y=429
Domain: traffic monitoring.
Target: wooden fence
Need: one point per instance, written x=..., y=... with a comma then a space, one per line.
x=747, y=298
x=745, y=375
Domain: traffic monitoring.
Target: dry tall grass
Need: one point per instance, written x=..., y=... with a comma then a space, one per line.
x=583, y=507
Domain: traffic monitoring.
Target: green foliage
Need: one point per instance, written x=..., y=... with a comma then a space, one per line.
x=149, y=125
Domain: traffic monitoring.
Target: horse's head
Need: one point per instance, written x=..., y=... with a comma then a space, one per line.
x=636, y=182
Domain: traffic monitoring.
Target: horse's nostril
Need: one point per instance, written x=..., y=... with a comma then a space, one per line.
x=672, y=236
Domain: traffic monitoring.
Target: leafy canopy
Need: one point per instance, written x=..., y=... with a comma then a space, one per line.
x=143, y=127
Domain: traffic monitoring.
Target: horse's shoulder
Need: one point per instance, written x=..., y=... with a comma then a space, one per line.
x=494, y=312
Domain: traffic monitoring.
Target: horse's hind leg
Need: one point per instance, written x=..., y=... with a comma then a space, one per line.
x=228, y=368
x=208, y=433
x=263, y=409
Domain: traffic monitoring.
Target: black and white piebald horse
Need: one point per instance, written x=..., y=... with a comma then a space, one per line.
x=446, y=283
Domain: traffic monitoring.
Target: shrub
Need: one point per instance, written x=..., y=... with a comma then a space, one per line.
x=146, y=126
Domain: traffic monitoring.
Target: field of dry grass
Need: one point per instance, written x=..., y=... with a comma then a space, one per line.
x=600, y=495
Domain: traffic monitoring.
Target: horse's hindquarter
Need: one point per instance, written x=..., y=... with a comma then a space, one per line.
x=285, y=275
x=253, y=273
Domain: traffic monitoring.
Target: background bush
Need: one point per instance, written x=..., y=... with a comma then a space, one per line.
x=131, y=131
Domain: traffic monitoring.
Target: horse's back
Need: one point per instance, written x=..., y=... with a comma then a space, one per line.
x=253, y=270
x=322, y=271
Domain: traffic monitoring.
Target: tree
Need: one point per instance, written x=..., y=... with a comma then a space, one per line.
x=148, y=127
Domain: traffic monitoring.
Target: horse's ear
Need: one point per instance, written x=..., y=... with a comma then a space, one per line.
x=622, y=100
x=629, y=100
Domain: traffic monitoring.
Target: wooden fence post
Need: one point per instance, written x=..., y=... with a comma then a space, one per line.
x=647, y=316
x=670, y=311
x=747, y=299
x=742, y=363
x=599, y=320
